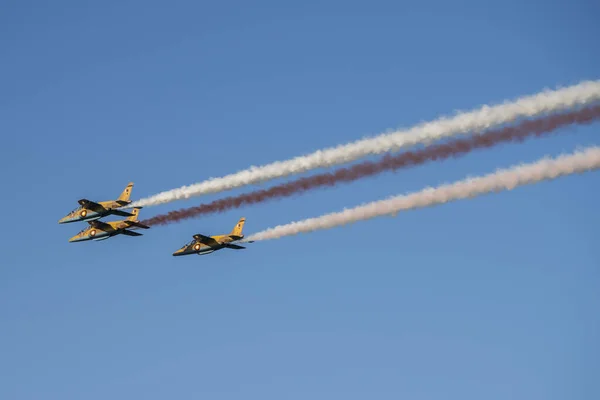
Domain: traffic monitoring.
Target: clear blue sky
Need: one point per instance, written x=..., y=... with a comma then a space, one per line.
x=491, y=298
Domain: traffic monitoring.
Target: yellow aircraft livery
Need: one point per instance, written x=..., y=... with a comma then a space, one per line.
x=207, y=244
x=89, y=210
x=99, y=230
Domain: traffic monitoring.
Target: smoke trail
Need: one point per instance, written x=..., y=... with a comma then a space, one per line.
x=544, y=169
x=438, y=152
x=542, y=103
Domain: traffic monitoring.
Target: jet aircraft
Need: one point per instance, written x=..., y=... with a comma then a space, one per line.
x=99, y=230
x=207, y=244
x=90, y=210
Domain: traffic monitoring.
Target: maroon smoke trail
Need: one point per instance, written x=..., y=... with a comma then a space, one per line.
x=459, y=147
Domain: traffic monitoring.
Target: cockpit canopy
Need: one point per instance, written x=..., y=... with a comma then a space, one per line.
x=76, y=211
x=188, y=244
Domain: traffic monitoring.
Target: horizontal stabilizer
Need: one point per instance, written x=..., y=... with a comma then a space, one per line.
x=121, y=213
x=138, y=225
x=130, y=233
x=234, y=247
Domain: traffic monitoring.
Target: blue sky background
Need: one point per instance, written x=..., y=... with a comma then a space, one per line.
x=494, y=298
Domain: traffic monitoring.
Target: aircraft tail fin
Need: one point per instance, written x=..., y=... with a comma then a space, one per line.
x=237, y=230
x=126, y=193
x=135, y=212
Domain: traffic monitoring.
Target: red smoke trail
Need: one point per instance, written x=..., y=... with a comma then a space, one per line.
x=455, y=148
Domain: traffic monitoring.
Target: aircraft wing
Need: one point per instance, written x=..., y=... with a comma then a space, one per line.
x=234, y=246
x=90, y=205
x=101, y=225
x=207, y=240
x=130, y=233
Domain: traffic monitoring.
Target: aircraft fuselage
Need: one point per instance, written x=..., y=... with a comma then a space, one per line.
x=82, y=215
x=203, y=244
x=201, y=250
x=196, y=247
x=92, y=234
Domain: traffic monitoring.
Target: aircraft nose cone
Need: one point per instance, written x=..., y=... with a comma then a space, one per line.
x=66, y=219
x=75, y=238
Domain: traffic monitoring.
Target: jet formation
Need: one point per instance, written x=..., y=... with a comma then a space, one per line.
x=91, y=212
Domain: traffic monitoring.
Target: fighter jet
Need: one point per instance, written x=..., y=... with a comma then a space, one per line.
x=99, y=230
x=89, y=210
x=202, y=245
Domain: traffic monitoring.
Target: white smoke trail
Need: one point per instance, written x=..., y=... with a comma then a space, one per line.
x=545, y=102
x=508, y=179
